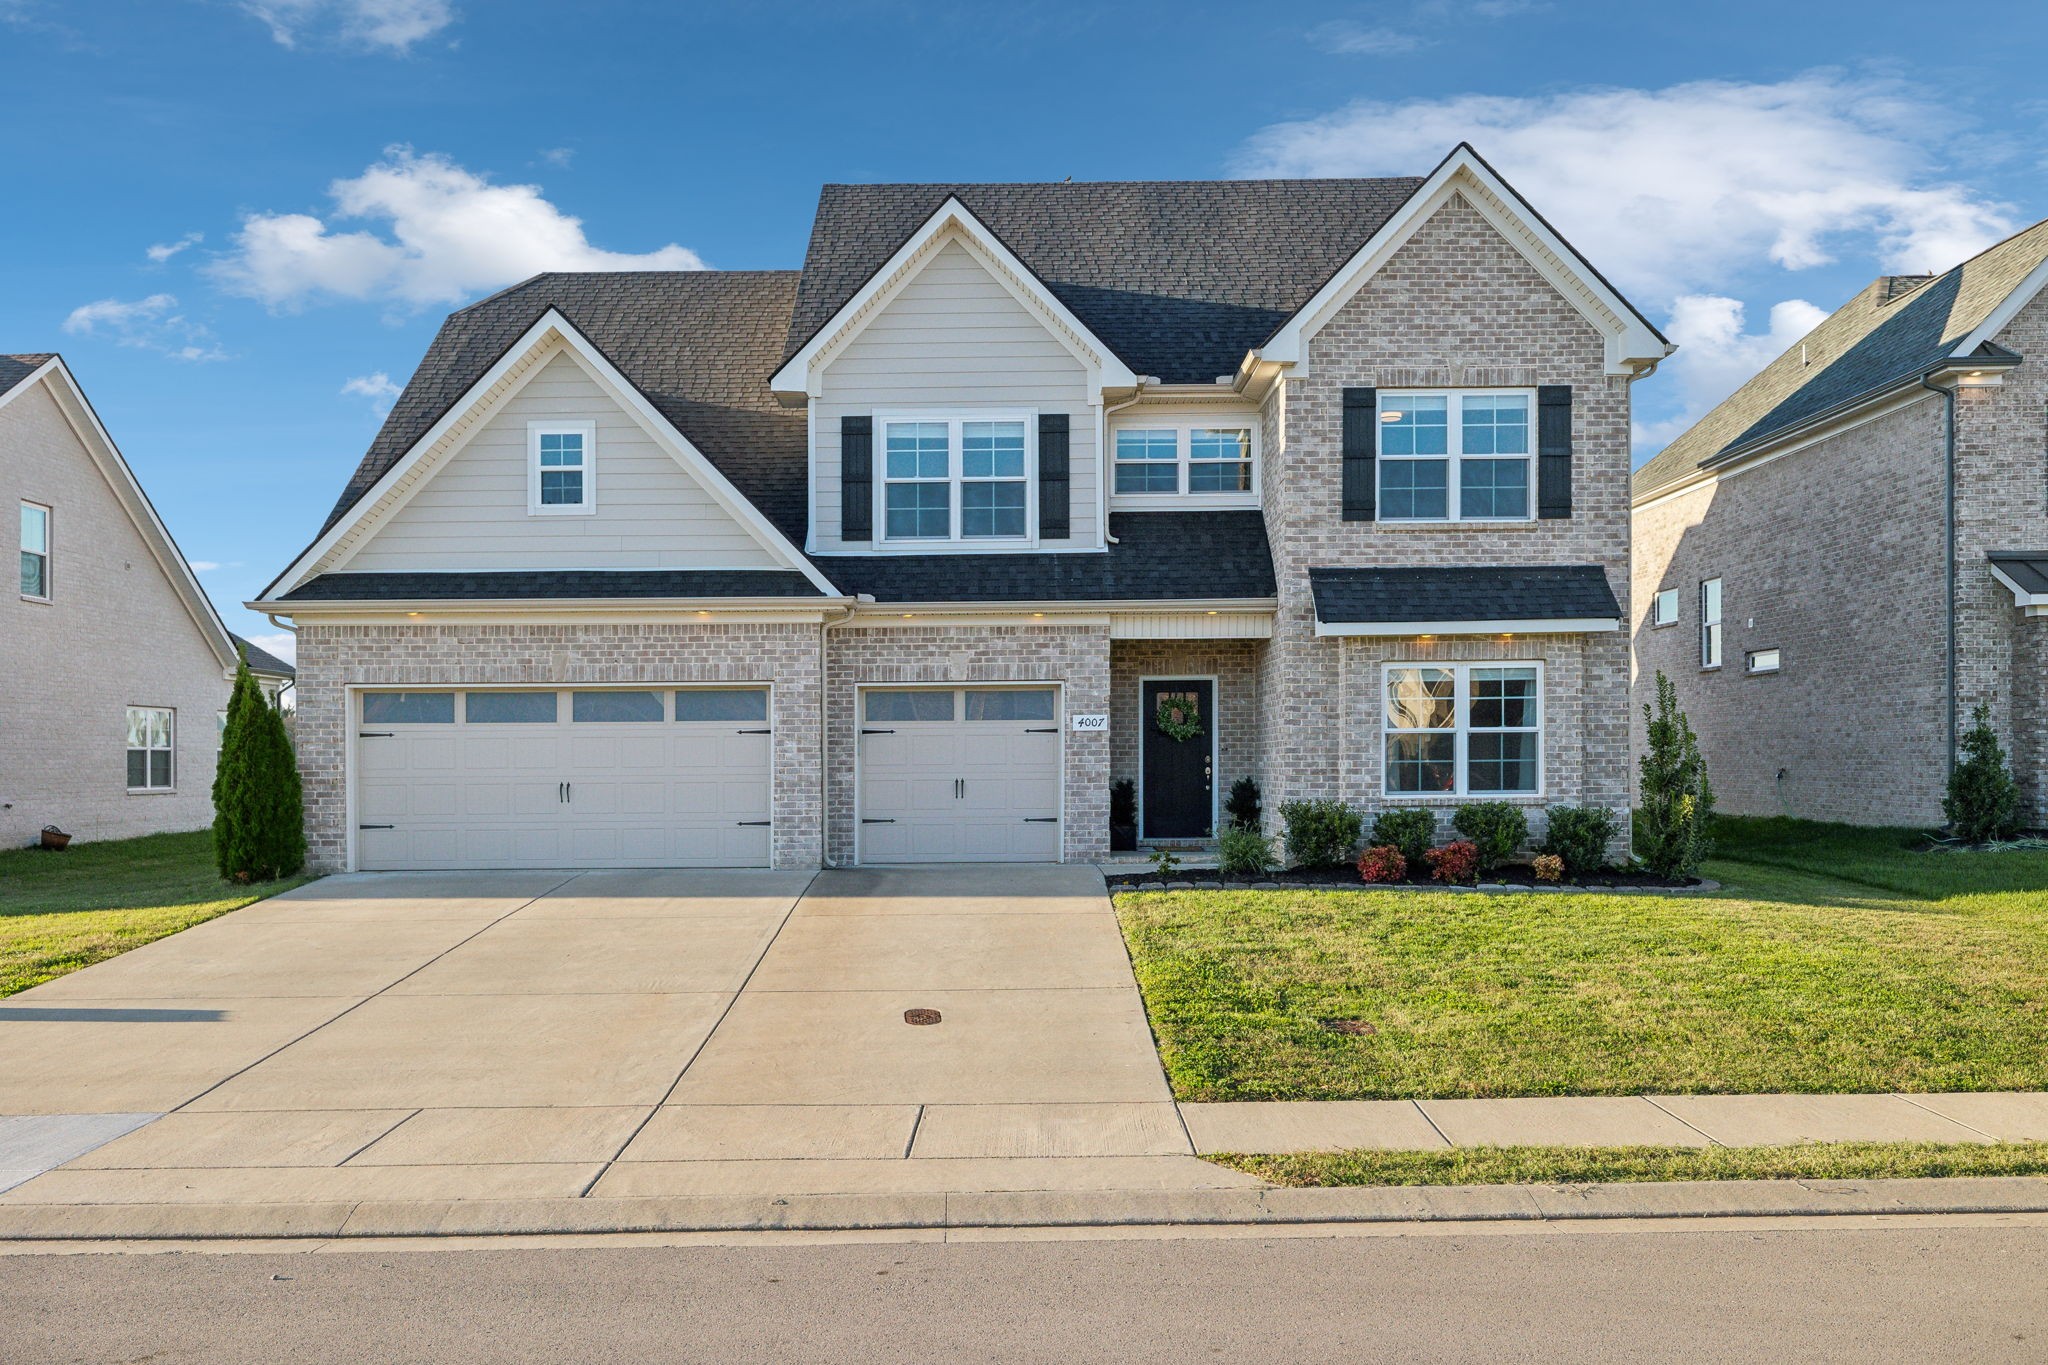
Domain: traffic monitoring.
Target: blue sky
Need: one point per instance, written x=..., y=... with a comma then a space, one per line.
x=242, y=222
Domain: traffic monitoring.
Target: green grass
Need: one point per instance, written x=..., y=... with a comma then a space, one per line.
x=1609, y=1165
x=1832, y=960
x=63, y=911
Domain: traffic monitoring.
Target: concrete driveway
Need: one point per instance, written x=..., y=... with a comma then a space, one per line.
x=563, y=1035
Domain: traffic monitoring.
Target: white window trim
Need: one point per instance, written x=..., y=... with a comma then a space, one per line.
x=171, y=748
x=1657, y=618
x=1751, y=667
x=536, y=430
x=1462, y=730
x=1182, y=424
x=954, y=542
x=1454, y=438
x=1713, y=624
x=48, y=552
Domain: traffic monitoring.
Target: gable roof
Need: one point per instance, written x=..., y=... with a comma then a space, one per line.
x=16, y=368
x=1179, y=278
x=1895, y=330
x=1463, y=599
x=262, y=661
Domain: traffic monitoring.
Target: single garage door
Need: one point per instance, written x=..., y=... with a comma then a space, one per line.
x=602, y=777
x=959, y=775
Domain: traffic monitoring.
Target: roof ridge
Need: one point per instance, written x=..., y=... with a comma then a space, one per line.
x=1106, y=184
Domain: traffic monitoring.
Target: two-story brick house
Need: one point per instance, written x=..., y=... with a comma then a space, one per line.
x=1011, y=492
x=1842, y=560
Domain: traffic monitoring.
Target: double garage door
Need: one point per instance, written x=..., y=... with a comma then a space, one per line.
x=959, y=774
x=611, y=777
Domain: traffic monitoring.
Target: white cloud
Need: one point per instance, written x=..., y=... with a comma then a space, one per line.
x=1716, y=356
x=152, y=323
x=284, y=645
x=394, y=25
x=1671, y=191
x=452, y=234
x=203, y=565
x=558, y=156
x=163, y=251
x=377, y=387
x=1347, y=39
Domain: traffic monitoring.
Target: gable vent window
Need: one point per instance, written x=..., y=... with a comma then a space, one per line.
x=957, y=478
x=562, y=473
x=35, y=551
x=1455, y=456
x=1201, y=459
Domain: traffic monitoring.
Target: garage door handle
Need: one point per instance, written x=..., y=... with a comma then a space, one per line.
x=755, y=732
x=376, y=734
x=865, y=821
x=878, y=732
x=376, y=827
x=756, y=822
x=1041, y=819
x=1043, y=730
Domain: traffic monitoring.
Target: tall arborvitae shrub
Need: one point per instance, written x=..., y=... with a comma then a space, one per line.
x=259, y=829
x=1983, y=800
x=1678, y=801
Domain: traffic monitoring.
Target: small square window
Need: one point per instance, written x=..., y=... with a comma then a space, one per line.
x=1666, y=612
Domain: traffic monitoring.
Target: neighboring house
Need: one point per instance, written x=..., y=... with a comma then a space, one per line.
x=1837, y=564
x=117, y=666
x=897, y=557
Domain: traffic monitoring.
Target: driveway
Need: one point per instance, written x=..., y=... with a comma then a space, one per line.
x=617, y=1033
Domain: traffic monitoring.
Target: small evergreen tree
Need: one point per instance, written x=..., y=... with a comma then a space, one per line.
x=1983, y=800
x=1678, y=801
x=259, y=830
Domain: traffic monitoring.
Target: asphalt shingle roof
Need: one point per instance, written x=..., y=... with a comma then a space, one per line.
x=1892, y=331
x=1568, y=592
x=2028, y=569
x=15, y=368
x=522, y=584
x=1179, y=278
x=262, y=660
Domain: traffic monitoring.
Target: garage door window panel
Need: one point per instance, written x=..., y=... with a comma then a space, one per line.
x=409, y=708
x=732, y=704
x=1033, y=704
x=608, y=708
x=909, y=706
x=510, y=708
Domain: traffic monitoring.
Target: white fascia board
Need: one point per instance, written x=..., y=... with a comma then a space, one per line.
x=2008, y=308
x=31, y=379
x=799, y=377
x=1568, y=625
x=113, y=466
x=2020, y=596
x=1050, y=609
x=553, y=325
x=1631, y=342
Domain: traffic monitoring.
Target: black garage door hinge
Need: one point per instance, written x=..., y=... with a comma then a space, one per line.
x=1041, y=819
x=376, y=827
x=1043, y=730
x=755, y=822
x=878, y=732
x=865, y=821
x=376, y=734
x=754, y=732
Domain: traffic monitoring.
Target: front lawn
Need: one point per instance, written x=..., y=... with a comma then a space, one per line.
x=1610, y=1165
x=1831, y=960
x=63, y=911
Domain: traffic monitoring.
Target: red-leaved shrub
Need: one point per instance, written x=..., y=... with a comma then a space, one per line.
x=1454, y=862
x=1382, y=863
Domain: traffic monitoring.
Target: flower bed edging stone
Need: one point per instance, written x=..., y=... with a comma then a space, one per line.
x=1122, y=886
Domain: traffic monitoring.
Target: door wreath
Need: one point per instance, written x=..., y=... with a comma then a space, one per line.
x=1176, y=719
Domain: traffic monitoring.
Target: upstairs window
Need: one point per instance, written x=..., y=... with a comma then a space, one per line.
x=1710, y=623
x=562, y=473
x=1202, y=459
x=35, y=551
x=1667, y=608
x=1456, y=455
x=961, y=478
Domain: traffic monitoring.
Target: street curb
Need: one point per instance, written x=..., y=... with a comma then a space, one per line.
x=1024, y=1209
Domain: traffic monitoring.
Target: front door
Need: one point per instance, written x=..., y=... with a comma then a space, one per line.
x=1177, y=718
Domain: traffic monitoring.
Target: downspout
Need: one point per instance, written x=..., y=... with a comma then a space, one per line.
x=1948, y=396
x=824, y=707
x=1102, y=457
x=292, y=684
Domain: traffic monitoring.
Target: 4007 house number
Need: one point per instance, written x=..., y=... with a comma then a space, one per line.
x=1090, y=725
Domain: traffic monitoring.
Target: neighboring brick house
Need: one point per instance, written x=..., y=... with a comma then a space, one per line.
x=1845, y=558
x=905, y=556
x=117, y=666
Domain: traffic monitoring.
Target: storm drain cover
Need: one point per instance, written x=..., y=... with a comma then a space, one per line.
x=1352, y=1026
x=920, y=1016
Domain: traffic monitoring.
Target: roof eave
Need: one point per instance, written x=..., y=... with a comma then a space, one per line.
x=1547, y=625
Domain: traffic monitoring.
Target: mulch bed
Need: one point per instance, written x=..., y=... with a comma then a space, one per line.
x=1514, y=877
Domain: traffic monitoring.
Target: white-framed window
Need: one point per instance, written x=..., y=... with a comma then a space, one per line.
x=35, y=551
x=1666, y=613
x=1710, y=623
x=1457, y=455
x=561, y=468
x=956, y=477
x=1459, y=729
x=1209, y=458
x=1762, y=661
x=150, y=732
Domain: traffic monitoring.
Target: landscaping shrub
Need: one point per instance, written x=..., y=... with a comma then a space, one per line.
x=1320, y=833
x=1579, y=836
x=1242, y=806
x=1549, y=867
x=1382, y=863
x=1677, y=800
x=1244, y=851
x=259, y=828
x=1412, y=830
x=1983, y=801
x=1495, y=828
x=1455, y=862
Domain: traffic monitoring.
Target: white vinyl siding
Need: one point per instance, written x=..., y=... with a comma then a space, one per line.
x=955, y=339
x=473, y=512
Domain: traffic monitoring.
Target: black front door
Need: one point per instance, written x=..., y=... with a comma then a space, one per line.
x=1178, y=760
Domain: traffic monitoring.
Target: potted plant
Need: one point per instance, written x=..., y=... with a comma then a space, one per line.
x=1123, y=816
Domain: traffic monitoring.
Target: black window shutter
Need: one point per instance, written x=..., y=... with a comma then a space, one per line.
x=1554, y=450
x=1361, y=453
x=856, y=478
x=1054, y=499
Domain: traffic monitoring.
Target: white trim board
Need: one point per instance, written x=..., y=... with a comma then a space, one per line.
x=1561, y=625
